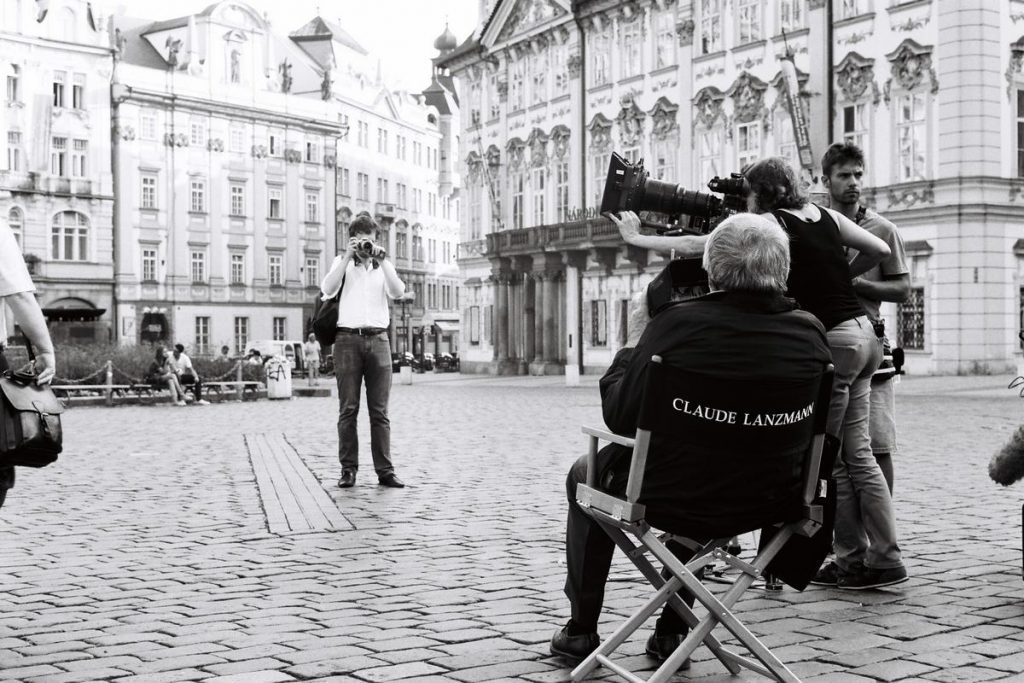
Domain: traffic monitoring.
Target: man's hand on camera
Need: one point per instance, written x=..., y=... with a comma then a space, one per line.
x=628, y=224
x=45, y=367
x=378, y=252
x=353, y=245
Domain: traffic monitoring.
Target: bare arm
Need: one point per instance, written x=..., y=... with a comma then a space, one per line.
x=895, y=288
x=684, y=246
x=30, y=317
x=332, y=282
x=870, y=250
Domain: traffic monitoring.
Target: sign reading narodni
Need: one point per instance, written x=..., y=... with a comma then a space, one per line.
x=748, y=420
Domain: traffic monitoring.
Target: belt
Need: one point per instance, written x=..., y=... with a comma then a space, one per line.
x=363, y=331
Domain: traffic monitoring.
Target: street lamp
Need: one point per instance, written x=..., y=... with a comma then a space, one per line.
x=404, y=300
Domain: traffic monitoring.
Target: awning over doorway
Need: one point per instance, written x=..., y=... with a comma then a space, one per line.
x=446, y=326
x=76, y=310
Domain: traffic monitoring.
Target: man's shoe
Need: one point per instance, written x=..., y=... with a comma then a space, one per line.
x=660, y=646
x=827, y=575
x=202, y=402
x=391, y=480
x=348, y=479
x=573, y=647
x=867, y=578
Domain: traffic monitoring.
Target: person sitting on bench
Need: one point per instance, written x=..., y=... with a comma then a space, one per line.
x=187, y=375
x=161, y=374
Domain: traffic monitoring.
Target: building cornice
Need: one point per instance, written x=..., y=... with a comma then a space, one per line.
x=228, y=110
x=96, y=50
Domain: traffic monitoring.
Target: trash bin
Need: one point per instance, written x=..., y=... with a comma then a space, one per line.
x=279, y=377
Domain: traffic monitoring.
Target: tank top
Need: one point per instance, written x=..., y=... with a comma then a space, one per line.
x=819, y=276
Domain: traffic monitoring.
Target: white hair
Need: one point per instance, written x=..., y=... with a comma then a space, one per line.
x=747, y=252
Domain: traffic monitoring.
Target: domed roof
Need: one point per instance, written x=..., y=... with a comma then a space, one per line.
x=446, y=41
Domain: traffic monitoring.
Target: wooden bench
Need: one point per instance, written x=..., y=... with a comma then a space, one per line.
x=70, y=389
x=222, y=388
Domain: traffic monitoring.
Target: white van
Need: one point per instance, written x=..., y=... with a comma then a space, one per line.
x=290, y=349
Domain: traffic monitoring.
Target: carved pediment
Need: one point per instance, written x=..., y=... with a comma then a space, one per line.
x=538, y=142
x=1014, y=66
x=493, y=156
x=526, y=15
x=600, y=128
x=560, y=140
x=747, y=95
x=854, y=75
x=516, y=152
x=708, y=105
x=474, y=168
x=663, y=119
x=631, y=122
x=911, y=63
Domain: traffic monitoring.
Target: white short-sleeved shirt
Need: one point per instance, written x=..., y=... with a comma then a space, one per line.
x=14, y=277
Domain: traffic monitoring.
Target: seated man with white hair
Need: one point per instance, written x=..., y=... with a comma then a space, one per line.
x=745, y=328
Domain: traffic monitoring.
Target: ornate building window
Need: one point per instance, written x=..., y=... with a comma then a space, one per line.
x=851, y=8
x=493, y=97
x=559, y=68
x=237, y=269
x=197, y=195
x=517, y=85
x=748, y=143
x=665, y=50
x=785, y=140
x=13, y=84
x=600, y=56
x=202, y=346
x=147, y=124
x=600, y=153
x=562, y=190
x=14, y=151
x=630, y=48
x=537, y=184
x=664, y=139
x=149, y=264
x=275, y=269
x=241, y=334
x=475, y=97
x=312, y=206
x=710, y=26
x=749, y=23
x=16, y=220
x=710, y=153
x=910, y=93
x=910, y=321
x=539, y=85
x=275, y=203
x=237, y=199
x=197, y=262
x=518, y=199
x=792, y=15
x=148, y=199
x=312, y=271
x=475, y=211
x=197, y=133
x=69, y=237
x=59, y=156
x=1020, y=135
x=855, y=124
x=599, y=322
x=858, y=92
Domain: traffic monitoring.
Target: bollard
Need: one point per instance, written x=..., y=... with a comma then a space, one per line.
x=110, y=383
x=405, y=374
x=238, y=378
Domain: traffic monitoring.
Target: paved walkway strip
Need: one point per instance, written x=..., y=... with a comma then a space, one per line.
x=293, y=499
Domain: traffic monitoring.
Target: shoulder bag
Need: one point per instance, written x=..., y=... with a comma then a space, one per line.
x=325, y=317
x=30, y=429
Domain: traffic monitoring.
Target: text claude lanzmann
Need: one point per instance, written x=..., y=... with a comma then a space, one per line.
x=749, y=419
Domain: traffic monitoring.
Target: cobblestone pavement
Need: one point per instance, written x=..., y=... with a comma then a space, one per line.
x=144, y=554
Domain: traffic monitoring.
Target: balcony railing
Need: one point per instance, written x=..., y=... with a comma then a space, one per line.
x=577, y=234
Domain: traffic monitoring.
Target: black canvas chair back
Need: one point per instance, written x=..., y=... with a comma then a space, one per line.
x=753, y=448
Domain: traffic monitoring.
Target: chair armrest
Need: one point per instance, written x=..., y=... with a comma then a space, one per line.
x=608, y=436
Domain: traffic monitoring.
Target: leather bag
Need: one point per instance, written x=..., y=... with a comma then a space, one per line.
x=325, y=318
x=30, y=428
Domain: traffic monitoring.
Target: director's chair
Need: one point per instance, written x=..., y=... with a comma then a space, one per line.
x=740, y=428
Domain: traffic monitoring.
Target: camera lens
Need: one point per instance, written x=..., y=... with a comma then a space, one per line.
x=365, y=245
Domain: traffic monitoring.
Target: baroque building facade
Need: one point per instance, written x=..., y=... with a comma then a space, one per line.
x=930, y=90
x=242, y=156
x=56, y=188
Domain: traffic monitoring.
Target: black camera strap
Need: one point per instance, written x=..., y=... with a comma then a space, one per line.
x=862, y=212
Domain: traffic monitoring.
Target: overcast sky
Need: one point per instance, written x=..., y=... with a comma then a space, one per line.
x=400, y=32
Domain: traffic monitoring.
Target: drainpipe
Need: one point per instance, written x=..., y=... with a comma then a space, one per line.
x=583, y=105
x=829, y=82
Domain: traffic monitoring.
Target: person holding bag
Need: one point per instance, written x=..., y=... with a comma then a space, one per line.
x=17, y=293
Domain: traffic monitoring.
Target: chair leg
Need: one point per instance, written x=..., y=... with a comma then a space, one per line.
x=636, y=555
x=719, y=613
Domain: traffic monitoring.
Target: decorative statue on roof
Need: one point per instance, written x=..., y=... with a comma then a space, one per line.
x=236, y=67
x=173, y=46
x=327, y=85
x=285, y=69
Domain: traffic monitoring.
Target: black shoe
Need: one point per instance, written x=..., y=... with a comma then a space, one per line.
x=348, y=479
x=391, y=480
x=868, y=578
x=661, y=645
x=573, y=647
x=827, y=575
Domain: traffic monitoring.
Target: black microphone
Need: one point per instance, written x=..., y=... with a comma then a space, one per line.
x=1007, y=465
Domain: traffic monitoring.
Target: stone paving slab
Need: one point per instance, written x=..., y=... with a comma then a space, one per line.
x=145, y=555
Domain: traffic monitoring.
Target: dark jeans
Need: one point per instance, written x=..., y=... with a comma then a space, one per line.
x=197, y=385
x=358, y=359
x=6, y=473
x=589, y=550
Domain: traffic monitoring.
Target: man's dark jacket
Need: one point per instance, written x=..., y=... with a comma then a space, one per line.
x=728, y=335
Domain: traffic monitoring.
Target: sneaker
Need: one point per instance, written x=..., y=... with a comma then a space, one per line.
x=180, y=404
x=202, y=402
x=574, y=648
x=827, y=575
x=868, y=578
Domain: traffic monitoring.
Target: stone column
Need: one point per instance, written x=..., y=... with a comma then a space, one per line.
x=550, y=316
x=538, y=317
x=501, y=319
x=529, y=311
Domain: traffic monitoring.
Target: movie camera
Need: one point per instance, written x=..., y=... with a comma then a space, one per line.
x=629, y=187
